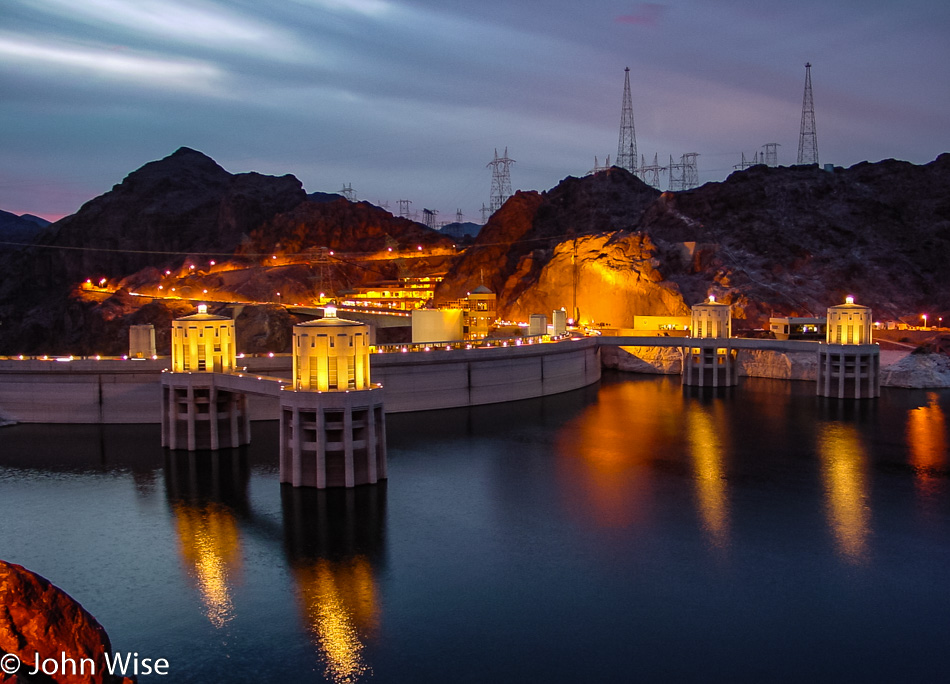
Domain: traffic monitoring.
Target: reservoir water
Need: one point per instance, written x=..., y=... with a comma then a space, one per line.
x=632, y=531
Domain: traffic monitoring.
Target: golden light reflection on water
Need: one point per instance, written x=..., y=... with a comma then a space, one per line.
x=706, y=438
x=927, y=440
x=605, y=454
x=339, y=603
x=844, y=463
x=210, y=546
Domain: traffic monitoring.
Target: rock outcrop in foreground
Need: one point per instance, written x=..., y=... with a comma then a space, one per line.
x=37, y=617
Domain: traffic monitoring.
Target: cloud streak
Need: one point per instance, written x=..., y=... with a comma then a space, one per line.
x=645, y=14
x=127, y=66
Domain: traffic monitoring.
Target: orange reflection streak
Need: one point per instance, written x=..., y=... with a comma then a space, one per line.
x=210, y=546
x=706, y=440
x=843, y=470
x=605, y=454
x=926, y=437
x=338, y=601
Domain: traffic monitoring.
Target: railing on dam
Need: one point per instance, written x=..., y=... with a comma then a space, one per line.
x=734, y=342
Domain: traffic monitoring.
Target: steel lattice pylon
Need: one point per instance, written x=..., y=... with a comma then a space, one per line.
x=500, y=180
x=808, y=139
x=627, y=147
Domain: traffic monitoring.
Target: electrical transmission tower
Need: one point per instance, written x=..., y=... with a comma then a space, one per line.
x=684, y=175
x=429, y=217
x=486, y=212
x=404, y=208
x=348, y=192
x=500, y=180
x=808, y=138
x=770, y=154
x=324, y=282
x=597, y=167
x=650, y=173
x=458, y=216
x=627, y=147
x=746, y=164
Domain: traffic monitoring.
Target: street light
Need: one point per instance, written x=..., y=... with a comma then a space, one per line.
x=924, y=316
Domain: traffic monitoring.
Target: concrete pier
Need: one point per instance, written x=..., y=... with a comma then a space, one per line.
x=332, y=439
x=849, y=371
x=197, y=414
x=709, y=362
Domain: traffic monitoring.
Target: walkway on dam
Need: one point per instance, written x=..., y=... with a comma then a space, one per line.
x=734, y=342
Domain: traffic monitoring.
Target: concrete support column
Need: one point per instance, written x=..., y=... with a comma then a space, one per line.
x=192, y=437
x=234, y=409
x=371, y=444
x=213, y=418
x=284, y=463
x=379, y=447
x=245, y=416
x=349, y=475
x=165, y=392
x=173, y=418
x=296, y=447
x=321, y=454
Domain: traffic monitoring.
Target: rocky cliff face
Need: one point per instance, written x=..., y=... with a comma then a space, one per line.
x=340, y=225
x=772, y=241
x=37, y=617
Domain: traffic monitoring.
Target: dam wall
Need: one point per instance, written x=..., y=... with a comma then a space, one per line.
x=129, y=391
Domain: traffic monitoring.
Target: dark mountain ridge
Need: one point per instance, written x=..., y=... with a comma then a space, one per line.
x=785, y=240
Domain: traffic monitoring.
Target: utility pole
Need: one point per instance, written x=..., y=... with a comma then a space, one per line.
x=500, y=180
x=808, y=138
x=627, y=147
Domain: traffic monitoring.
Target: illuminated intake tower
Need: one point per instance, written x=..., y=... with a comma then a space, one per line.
x=710, y=360
x=849, y=364
x=197, y=414
x=332, y=425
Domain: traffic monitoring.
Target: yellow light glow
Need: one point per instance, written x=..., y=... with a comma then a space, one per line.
x=844, y=464
x=705, y=439
x=606, y=455
x=340, y=607
x=849, y=299
x=210, y=546
x=927, y=441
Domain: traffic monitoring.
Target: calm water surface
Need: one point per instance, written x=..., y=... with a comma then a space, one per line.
x=631, y=532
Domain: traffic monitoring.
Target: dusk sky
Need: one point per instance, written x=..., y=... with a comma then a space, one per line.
x=408, y=99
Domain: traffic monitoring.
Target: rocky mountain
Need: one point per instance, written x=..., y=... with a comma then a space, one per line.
x=183, y=203
x=342, y=226
x=782, y=241
x=15, y=228
x=175, y=216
